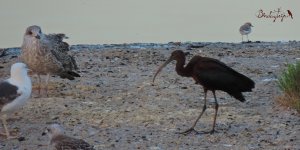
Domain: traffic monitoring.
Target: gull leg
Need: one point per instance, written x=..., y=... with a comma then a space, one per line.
x=39, y=81
x=1, y=133
x=203, y=110
x=242, y=39
x=47, y=81
x=247, y=38
x=8, y=136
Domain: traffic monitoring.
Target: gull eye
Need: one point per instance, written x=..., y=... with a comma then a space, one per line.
x=29, y=32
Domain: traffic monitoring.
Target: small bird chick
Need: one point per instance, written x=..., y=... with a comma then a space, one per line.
x=63, y=142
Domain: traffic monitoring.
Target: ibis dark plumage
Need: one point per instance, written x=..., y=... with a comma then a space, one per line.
x=213, y=75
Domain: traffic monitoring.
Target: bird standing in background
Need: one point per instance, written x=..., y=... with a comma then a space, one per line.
x=14, y=92
x=245, y=30
x=212, y=75
x=47, y=55
x=63, y=142
x=290, y=14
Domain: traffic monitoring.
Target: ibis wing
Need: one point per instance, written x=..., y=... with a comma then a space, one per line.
x=214, y=74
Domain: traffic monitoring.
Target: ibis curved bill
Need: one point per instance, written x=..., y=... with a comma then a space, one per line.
x=161, y=67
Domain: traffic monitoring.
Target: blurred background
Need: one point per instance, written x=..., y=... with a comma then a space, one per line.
x=159, y=21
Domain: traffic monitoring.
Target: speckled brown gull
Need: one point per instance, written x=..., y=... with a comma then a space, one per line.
x=47, y=54
x=14, y=92
x=62, y=142
x=245, y=29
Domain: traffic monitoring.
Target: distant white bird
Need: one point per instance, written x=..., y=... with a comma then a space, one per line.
x=245, y=30
x=47, y=55
x=14, y=92
x=63, y=142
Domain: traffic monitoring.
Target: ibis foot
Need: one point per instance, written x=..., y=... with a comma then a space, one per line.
x=210, y=132
x=189, y=131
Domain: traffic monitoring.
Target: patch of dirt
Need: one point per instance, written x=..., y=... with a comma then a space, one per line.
x=115, y=105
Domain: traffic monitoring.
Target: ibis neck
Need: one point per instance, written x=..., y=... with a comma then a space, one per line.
x=180, y=69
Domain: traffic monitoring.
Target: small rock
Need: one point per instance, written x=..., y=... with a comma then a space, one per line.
x=21, y=139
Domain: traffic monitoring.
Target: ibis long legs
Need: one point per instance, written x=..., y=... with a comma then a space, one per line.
x=216, y=109
x=203, y=110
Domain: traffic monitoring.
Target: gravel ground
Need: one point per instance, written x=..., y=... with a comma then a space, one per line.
x=115, y=105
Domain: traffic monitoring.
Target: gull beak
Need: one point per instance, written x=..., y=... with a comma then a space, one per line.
x=161, y=67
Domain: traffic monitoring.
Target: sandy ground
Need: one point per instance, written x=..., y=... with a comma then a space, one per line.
x=114, y=105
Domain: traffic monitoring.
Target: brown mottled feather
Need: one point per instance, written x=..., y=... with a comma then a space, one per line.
x=49, y=54
x=61, y=49
x=63, y=142
x=40, y=59
x=58, y=39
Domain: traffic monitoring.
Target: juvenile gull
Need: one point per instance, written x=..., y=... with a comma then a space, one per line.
x=63, y=142
x=47, y=55
x=245, y=30
x=14, y=92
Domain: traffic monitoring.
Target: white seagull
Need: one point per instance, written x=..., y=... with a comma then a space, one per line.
x=14, y=92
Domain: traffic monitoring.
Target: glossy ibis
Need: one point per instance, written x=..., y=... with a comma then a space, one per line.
x=213, y=75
